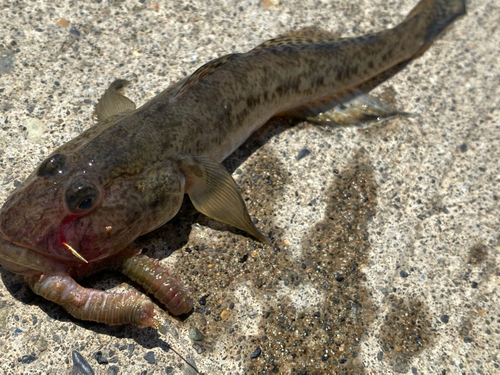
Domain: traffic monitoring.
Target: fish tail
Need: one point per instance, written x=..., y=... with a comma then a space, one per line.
x=433, y=17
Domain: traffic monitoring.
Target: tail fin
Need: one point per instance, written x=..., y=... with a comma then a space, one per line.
x=435, y=16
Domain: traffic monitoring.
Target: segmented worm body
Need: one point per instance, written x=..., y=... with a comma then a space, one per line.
x=156, y=280
x=96, y=305
x=117, y=308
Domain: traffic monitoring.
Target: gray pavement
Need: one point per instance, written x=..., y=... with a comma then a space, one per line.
x=386, y=241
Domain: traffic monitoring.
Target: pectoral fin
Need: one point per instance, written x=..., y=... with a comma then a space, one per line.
x=112, y=102
x=215, y=194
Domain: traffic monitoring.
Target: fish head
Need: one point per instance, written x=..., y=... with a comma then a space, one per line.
x=72, y=211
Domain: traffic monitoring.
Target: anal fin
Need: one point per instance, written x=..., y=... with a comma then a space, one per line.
x=352, y=106
x=360, y=111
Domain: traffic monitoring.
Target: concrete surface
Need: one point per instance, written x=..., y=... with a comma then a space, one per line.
x=386, y=241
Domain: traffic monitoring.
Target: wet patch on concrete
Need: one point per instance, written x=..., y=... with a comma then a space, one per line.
x=325, y=310
x=477, y=254
x=333, y=256
x=405, y=333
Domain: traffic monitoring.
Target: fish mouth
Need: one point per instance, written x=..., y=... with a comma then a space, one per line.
x=22, y=259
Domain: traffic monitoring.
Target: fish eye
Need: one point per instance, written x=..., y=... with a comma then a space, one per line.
x=81, y=196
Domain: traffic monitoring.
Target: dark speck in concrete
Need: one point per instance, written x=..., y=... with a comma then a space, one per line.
x=101, y=358
x=463, y=147
x=74, y=31
x=303, y=153
x=203, y=300
x=198, y=348
x=445, y=318
x=150, y=358
x=403, y=274
x=256, y=353
x=195, y=334
x=80, y=364
x=28, y=358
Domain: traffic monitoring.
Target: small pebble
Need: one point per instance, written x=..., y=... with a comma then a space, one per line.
x=80, y=364
x=131, y=348
x=445, y=318
x=195, y=334
x=303, y=153
x=101, y=358
x=28, y=358
x=62, y=22
x=256, y=353
x=162, y=329
x=468, y=340
x=203, y=300
x=150, y=358
x=34, y=128
x=169, y=370
x=403, y=273
x=198, y=348
x=224, y=314
x=74, y=31
x=113, y=370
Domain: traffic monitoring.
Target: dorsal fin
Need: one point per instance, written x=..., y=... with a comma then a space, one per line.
x=304, y=36
x=113, y=103
x=203, y=72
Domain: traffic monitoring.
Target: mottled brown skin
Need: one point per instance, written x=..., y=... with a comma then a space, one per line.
x=133, y=159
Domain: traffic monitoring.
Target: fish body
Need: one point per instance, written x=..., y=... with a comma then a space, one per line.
x=128, y=174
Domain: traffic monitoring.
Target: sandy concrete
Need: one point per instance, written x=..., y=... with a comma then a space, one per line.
x=386, y=241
